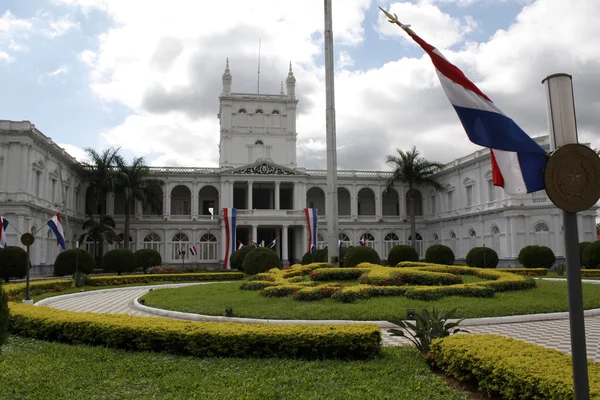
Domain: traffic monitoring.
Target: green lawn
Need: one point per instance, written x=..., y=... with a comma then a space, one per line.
x=31, y=369
x=549, y=296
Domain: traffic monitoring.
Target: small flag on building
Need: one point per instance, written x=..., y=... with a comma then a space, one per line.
x=56, y=227
x=3, y=226
x=272, y=244
x=311, y=221
x=193, y=250
x=362, y=241
x=240, y=245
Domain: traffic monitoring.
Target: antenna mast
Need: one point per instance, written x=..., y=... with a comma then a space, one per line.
x=258, y=73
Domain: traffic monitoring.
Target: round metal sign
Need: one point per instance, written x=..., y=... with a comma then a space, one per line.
x=572, y=177
x=27, y=239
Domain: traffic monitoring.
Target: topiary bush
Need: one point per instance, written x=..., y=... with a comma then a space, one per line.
x=359, y=254
x=260, y=259
x=582, y=247
x=147, y=258
x=482, y=257
x=591, y=255
x=402, y=252
x=119, y=260
x=536, y=257
x=238, y=257
x=320, y=255
x=65, y=262
x=12, y=263
x=4, y=316
x=343, y=255
x=307, y=258
x=440, y=254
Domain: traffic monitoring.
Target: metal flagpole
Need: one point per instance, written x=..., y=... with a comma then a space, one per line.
x=64, y=203
x=331, y=208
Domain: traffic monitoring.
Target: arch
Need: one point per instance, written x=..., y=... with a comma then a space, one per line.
x=390, y=202
x=33, y=230
x=344, y=207
x=344, y=238
x=152, y=241
x=49, y=234
x=542, y=234
x=468, y=181
x=436, y=238
x=208, y=199
x=452, y=235
x=472, y=232
x=119, y=242
x=275, y=111
x=369, y=238
x=242, y=111
x=495, y=238
x=179, y=246
x=321, y=242
x=390, y=240
x=418, y=202
x=315, y=198
x=488, y=174
x=259, y=142
x=207, y=250
x=366, y=201
x=472, y=238
x=258, y=111
x=181, y=200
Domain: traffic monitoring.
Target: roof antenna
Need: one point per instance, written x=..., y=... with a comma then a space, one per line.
x=258, y=73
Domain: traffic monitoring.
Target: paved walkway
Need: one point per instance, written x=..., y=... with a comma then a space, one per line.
x=548, y=330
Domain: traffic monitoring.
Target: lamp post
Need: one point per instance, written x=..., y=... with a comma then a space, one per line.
x=27, y=239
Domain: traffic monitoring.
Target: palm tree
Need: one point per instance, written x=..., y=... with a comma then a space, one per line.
x=100, y=173
x=598, y=228
x=412, y=170
x=134, y=182
x=100, y=230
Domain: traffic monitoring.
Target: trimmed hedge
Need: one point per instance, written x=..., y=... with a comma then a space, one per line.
x=582, y=247
x=199, y=339
x=510, y=368
x=411, y=264
x=238, y=256
x=65, y=262
x=591, y=255
x=336, y=274
x=525, y=271
x=320, y=255
x=382, y=277
x=359, y=254
x=4, y=317
x=482, y=257
x=439, y=254
x=17, y=290
x=536, y=257
x=591, y=273
x=402, y=252
x=316, y=292
x=193, y=277
x=147, y=258
x=260, y=259
x=12, y=263
x=119, y=261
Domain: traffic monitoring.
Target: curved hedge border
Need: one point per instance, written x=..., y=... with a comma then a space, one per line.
x=525, y=271
x=511, y=368
x=200, y=339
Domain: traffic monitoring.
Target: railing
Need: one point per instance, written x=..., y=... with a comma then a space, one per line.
x=356, y=174
x=184, y=170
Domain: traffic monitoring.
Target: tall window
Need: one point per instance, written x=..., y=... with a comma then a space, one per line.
x=208, y=247
x=152, y=241
x=320, y=241
x=491, y=191
x=542, y=235
x=390, y=240
x=450, y=196
x=345, y=239
x=53, y=199
x=433, y=201
x=119, y=242
x=496, y=239
x=418, y=243
x=469, y=195
x=38, y=183
x=179, y=246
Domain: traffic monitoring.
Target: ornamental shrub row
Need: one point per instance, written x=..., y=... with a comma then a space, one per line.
x=200, y=339
x=525, y=271
x=316, y=292
x=149, y=278
x=336, y=274
x=383, y=277
x=511, y=368
x=430, y=293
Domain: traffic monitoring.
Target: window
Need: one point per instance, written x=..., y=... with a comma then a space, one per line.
x=491, y=191
x=119, y=242
x=450, y=196
x=258, y=111
x=345, y=239
x=369, y=238
x=275, y=111
x=179, y=246
x=436, y=238
x=152, y=241
x=208, y=247
x=320, y=241
x=433, y=200
x=469, y=195
x=53, y=198
x=418, y=243
x=542, y=235
x=242, y=111
x=390, y=240
x=38, y=183
x=496, y=239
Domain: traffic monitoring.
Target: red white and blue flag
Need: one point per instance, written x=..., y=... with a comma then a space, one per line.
x=56, y=227
x=311, y=221
x=362, y=241
x=240, y=245
x=229, y=216
x=3, y=226
x=193, y=250
x=517, y=160
x=340, y=245
x=254, y=242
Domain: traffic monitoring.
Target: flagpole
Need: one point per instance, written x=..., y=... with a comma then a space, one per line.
x=331, y=206
x=65, y=204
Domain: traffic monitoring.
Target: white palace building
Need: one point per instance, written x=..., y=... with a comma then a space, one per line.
x=258, y=175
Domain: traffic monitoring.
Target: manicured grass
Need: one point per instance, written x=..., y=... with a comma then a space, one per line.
x=549, y=296
x=564, y=276
x=31, y=369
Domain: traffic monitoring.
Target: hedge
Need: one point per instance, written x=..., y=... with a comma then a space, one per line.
x=525, y=271
x=12, y=263
x=260, y=259
x=402, y=252
x=336, y=274
x=119, y=261
x=382, y=277
x=147, y=258
x=359, y=254
x=199, y=339
x=511, y=368
x=537, y=257
x=439, y=254
x=67, y=260
x=4, y=316
x=591, y=255
x=482, y=257
x=238, y=256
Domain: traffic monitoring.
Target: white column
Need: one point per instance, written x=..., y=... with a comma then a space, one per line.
x=353, y=202
x=304, y=239
x=277, y=186
x=5, y=146
x=195, y=195
x=25, y=157
x=223, y=244
x=284, y=244
x=110, y=204
x=167, y=200
x=250, y=205
x=378, y=212
x=138, y=209
x=254, y=233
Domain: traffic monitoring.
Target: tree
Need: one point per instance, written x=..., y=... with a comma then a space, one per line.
x=412, y=170
x=100, y=174
x=99, y=230
x=135, y=184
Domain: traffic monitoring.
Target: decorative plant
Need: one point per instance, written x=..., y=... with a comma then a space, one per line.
x=560, y=269
x=427, y=326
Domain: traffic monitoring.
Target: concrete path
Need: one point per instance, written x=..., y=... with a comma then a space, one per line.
x=548, y=330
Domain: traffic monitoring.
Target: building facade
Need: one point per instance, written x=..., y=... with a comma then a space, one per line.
x=258, y=176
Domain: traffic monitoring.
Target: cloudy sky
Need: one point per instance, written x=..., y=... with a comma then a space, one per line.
x=146, y=75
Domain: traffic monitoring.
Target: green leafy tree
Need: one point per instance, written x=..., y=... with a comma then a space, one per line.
x=412, y=170
x=100, y=230
x=135, y=183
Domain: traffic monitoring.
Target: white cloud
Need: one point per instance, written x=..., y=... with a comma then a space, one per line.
x=77, y=152
x=5, y=57
x=60, y=70
x=60, y=26
x=345, y=60
x=11, y=25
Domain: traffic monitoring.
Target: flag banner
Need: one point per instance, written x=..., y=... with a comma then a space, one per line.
x=362, y=241
x=56, y=226
x=517, y=160
x=193, y=250
x=3, y=227
x=262, y=243
x=272, y=244
x=312, y=248
x=340, y=245
x=229, y=217
x=311, y=221
x=253, y=242
x=240, y=245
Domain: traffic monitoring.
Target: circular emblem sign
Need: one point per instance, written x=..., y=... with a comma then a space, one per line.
x=27, y=239
x=572, y=177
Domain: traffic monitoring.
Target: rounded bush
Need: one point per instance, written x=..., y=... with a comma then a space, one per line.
x=4, y=315
x=439, y=254
x=307, y=258
x=536, y=257
x=260, y=259
x=582, y=247
x=147, y=258
x=482, y=257
x=359, y=254
x=119, y=260
x=238, y=256
x=591, y=255
x=12, y=263
x=343, y=254
x=65, y=262
x=320, y=255
x=402, y=252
